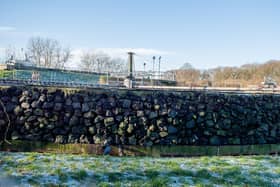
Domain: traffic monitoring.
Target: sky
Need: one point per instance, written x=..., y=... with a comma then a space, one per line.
x=205, y=33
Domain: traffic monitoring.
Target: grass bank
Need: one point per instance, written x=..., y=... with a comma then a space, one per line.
x=38, y=169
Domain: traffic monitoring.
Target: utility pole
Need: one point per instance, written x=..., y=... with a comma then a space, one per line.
x=143, y=73
x=159, y=59
x=154, y=58
x=153, y=72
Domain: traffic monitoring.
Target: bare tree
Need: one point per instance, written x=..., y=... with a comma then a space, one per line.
x=35, y=48
x=10, y=53
x=61, y=56
x=88, y=62
x=48, y=52
x=102, y=63
x=118, y=65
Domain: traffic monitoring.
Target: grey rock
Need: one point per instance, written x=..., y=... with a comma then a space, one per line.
x=109, y=113
x=97, y=139
x=85, y=107
x=35, y=104
x=172, y=129
x=201, y=114
x=58, y=99
x=31, y=119
x=48, y=138
x=221, y=133
x=132, y=140
x=26, y=93
x=58, y=107
x=25, y=105
x=23, y=99
x=226, y=124
x=18, y=110
x=89, y=115
x=73, y=138
x=130, y=128
x=207, y=133
x=92, y=130
x=83, y=139
x=74, y=120
x=60, y=139
x=126, y=103
x=42, y=125
x=153, y=115
x=87, y=122
x=234, y=141
x=48, y=105
x=98, y=119
x=109, y=121
x=261, y=140
x=28, y=112
x=59, y=131
x=190, y=124
x=78, y=130
x=50, y=126
x=15, y=135
x=76, y=105
x=42, y=98
x=10, y=107
x=273, y=133
x=68, y=102
x=210, y=123
x=148, y=143
x=38, y=112
x=215, y=140
x=163, y=134
x=172, y=113
x=157, y=107
x=140, y=113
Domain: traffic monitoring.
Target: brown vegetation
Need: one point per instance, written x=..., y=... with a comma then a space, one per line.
x=248, y=75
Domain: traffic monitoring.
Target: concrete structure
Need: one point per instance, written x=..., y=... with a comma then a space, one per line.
x=129, y=81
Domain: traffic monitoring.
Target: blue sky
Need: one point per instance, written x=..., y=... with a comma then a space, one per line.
x=205, y=33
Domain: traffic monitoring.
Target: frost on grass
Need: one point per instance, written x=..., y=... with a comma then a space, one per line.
x=35, y=169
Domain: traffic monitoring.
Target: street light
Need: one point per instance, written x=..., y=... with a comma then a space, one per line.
x=144, y=73
x=159, y=59
x=144, y=66
x=152, y=77
x=154, y=58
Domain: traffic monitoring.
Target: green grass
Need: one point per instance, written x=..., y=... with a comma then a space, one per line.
x=5, y=74
x=38, y=169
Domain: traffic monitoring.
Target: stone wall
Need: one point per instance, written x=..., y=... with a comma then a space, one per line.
x=139, y=117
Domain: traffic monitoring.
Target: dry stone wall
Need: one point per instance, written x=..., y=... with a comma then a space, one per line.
x=139, y=117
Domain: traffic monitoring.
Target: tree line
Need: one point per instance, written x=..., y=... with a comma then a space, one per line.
x=46, y=52
x=50, y=53
x=101, y=62
x=243, y=76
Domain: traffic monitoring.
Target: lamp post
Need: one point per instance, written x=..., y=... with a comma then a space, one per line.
x=153, y=72
x=144, y=66
x=144, y=73
x=159, y=59
x=154, y=58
